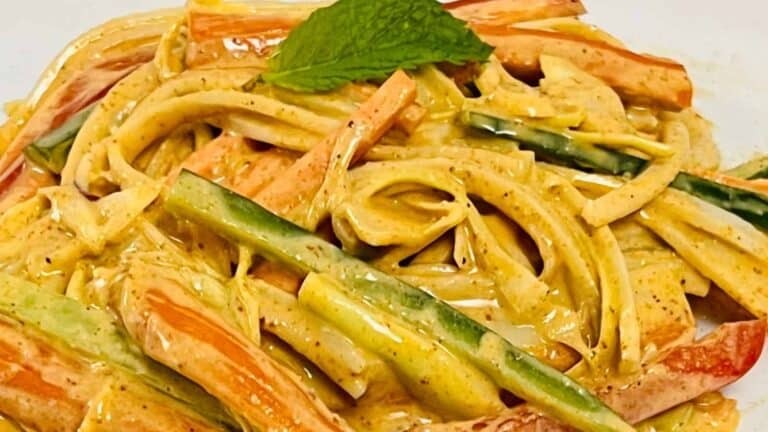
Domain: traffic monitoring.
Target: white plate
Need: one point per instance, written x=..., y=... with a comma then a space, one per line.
x=723, y=44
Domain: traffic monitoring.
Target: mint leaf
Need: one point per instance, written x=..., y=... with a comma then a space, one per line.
x=369, y=39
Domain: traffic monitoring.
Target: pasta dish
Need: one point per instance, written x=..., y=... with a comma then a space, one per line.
x=387, y=216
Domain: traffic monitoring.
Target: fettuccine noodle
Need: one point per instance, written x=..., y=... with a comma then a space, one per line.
x=572, y=228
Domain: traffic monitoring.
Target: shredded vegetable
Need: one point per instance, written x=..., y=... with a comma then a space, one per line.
x=391, y=216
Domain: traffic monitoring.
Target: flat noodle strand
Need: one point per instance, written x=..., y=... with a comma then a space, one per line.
x=641, y=190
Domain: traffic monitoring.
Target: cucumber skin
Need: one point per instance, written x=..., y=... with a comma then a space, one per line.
x=748, y=205
x=52, y=149
x=240, y=219
x=559, y=148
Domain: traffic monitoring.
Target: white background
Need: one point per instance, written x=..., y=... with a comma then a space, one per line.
x=724, y=44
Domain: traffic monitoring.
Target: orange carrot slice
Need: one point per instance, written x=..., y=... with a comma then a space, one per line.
x=365, y=127
x=40, y=387
x=264, y=169
x=504, y=12
x=208, y=25
x=257, y=170
x=637, y=78
x=179, y=331
x=305, y=177
x=209, y=161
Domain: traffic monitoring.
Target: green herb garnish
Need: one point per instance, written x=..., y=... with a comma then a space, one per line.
x=369, y=39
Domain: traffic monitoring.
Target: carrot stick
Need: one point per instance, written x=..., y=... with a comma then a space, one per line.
x=205, y=24
x=262, y=171
x=261, y=168
x=209, y=160
x=411, y=118
x=39, y=387
x=637, y=78
x=408, y=120
x=366, y=126
x=211, y=25
x=227, y=365
x=303, y=179
x=504, y=12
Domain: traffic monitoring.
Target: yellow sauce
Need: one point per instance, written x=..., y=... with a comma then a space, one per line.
x=7, y=426
x=711, y=412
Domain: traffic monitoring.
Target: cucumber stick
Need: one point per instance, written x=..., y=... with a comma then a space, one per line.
x=94, y=333
x=560, y=148
x=437, y=377
x=244, y=221
x=51, y=150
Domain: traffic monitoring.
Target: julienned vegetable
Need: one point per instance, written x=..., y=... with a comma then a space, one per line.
x=560, y=148
x=93, y=332
x=636, y=77
x=173, y=326
x=47, y=387
x=379, y=37
x=242, y=220
x=439, y=378
x=51, y=150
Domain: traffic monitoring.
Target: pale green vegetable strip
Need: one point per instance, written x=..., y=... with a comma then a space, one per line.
x=434, y=375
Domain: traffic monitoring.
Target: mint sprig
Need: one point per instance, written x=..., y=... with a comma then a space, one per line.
x=355, y=40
